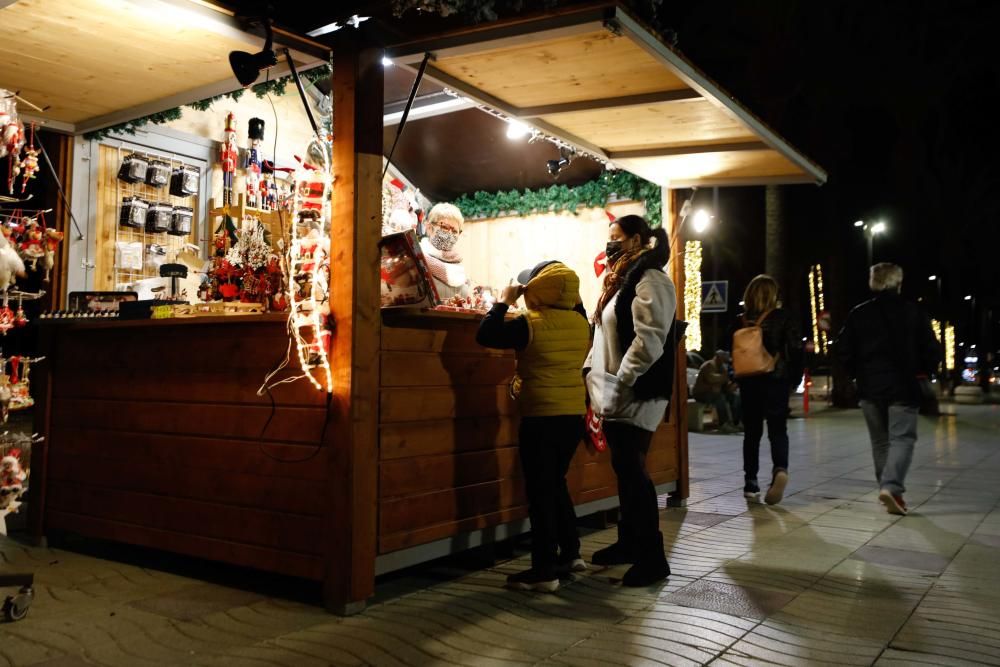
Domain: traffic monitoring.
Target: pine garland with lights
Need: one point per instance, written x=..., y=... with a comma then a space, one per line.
x=559, y=198
x=261, y=90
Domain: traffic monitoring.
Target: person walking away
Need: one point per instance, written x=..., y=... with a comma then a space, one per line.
x=888, y=346
x=630, y=375
x=764, y=396
x=713, y=387
x=551, y=340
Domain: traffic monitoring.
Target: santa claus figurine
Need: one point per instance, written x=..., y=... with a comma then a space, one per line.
x=33, y=246
x=12, y=476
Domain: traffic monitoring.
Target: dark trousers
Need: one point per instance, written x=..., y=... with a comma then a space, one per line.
x=547, y=445
x=764, y=399
x=639, y=526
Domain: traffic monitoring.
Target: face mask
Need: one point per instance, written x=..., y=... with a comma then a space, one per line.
x=444, y=240
x=613, y=249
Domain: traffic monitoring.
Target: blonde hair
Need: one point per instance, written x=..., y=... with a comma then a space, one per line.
x=761, y=295
x=885, y=277
x=445, y=211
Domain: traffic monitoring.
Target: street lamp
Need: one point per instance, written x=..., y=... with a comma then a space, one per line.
x=870, y=230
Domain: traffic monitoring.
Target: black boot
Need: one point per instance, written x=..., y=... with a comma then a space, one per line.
x=617, y=554
x=651, y=566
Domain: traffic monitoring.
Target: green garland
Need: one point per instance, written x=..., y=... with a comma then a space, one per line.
x=261, y=90
x=558, y=198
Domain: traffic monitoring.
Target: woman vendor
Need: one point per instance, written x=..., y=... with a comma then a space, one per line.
x=443, y=228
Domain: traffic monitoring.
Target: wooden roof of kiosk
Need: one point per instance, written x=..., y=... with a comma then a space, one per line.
x=598, y=80
x=95, y=63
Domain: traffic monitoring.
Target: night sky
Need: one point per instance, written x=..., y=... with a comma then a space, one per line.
x=897, y=101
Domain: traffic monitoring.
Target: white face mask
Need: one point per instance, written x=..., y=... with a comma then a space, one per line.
x=444, y=240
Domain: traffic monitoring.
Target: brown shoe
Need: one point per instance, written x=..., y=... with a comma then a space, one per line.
x=894, y=504
x=777, y=490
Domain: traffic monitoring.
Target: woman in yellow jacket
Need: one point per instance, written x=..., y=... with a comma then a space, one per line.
x=551, y=340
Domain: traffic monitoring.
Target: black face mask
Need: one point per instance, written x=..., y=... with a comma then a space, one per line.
x=613, y=249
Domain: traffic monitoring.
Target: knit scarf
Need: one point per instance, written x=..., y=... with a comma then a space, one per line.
x=613, y=280
x=444, y=266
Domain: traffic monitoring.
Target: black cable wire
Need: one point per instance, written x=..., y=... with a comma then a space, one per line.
x=406, y=111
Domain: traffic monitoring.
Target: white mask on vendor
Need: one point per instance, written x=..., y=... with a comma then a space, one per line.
x=444, y=240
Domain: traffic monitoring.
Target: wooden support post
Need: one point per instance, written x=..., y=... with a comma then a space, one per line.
x=671, y=218
x=352, y=434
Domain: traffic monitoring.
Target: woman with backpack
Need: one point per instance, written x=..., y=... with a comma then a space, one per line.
x=629, y=380
x=765, y=351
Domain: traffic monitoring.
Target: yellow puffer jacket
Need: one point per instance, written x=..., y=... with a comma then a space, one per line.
x=559, y=338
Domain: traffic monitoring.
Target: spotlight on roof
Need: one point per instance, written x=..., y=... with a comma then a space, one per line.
x=248, y=66
x=517, y=130
x=386, y=62
x=566, y=157
x=701, y=220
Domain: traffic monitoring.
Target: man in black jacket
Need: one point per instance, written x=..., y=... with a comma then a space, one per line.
x=888, y=346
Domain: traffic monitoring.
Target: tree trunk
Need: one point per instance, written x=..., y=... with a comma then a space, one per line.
x=774, y=237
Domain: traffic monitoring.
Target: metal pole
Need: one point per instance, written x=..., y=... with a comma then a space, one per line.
x=870, y=237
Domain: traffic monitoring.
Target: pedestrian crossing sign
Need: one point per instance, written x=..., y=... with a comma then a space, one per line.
x=714, y=296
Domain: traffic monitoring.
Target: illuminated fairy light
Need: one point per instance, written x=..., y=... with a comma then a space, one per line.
x=823, y=341
x=936, y=327
x=813, y=306
x=949, y=346
x=305, y=321
x=692, y=293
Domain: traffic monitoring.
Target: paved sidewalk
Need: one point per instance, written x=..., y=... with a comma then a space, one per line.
x=825, y=577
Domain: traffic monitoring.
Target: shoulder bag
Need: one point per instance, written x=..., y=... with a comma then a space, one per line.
x=750, y=356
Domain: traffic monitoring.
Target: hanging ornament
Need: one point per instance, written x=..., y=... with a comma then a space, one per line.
x=29, y=163
x=20, y=319
x=14, y=140
x=7, y=316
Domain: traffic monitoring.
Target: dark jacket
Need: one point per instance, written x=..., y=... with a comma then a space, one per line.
x=782, y=339
x=885, y=344
x=658, y=381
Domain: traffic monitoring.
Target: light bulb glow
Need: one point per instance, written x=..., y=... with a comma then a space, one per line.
x=859, y=223
x=692, y=293
x=932, y=278
x=701, y=220
x=878, y=228
x=386, y=62
x=517, y=130
x=949, y=346
x=968, y=297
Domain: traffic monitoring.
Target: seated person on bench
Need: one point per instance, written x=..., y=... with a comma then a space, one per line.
x=714, y=387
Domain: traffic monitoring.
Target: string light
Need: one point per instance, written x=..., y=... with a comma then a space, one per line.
x=824, y=343
x=308, y=314
x=936, y=326
x=692, y=293
x=813, y=310
x=949, y=346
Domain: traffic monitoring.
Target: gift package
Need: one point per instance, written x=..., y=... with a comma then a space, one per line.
x=404, y=273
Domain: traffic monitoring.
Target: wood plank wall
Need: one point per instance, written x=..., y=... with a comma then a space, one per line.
x=448, y=459
x=156, y=437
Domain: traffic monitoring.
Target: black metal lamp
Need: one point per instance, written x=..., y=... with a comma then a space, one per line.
x=248, y=66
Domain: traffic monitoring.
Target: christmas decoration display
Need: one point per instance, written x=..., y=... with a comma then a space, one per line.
x=400, y=209
x=817, y=306
x=26, y=243
x=611, y=185
x=228, y=155
x=15, y=457
x=29, y=163
x=404, y=273
x=309, y=268
x=250, y=271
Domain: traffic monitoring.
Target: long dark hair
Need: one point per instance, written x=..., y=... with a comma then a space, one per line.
x=636, y=224
x=658, y=255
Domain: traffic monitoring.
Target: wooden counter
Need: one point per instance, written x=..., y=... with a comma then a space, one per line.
x=156, y=436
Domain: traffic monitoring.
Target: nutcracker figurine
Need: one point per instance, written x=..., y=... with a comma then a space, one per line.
x=255, y=132
x=228, y=157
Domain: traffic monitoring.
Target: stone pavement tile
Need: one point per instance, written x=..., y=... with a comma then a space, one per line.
x=922, y=533
x=868, y=617
x=62, y=661
x=688, y=516
x=787, y=643
x=915, y=560
x=894, y=658
x=870, y=518
x=977, y=561
x=729, y=599
x=666, y=635
x=24, y=650
x=861, y=578
x=749, y=575
x=985, y=540
x=196, y=601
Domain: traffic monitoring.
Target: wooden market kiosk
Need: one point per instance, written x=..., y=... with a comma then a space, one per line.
x=154, y=428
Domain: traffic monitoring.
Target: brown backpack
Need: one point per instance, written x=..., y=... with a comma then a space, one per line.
x=750, y=356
